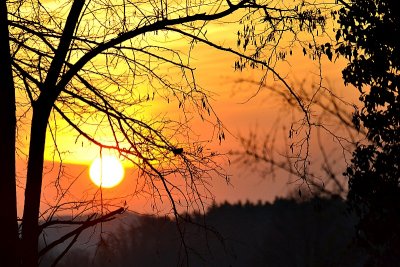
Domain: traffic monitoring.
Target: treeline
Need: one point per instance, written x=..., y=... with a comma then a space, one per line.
x=316, y=232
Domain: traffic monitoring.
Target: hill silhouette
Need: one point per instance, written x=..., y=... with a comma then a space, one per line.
x=315, y=232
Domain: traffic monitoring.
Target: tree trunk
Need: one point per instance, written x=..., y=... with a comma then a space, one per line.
x=41, y=111
x=8, y=212
x=33, y=189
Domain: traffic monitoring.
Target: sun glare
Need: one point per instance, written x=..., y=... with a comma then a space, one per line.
x=106, y=171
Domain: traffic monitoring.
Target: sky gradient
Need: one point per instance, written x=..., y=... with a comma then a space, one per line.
x=240, y=105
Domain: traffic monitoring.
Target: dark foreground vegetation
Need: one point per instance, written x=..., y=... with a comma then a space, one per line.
x=289, y=232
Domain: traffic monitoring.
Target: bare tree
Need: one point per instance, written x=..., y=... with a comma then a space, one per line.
x=315, y=154
x=94, y=65
x=313, y=111
x=8, y=216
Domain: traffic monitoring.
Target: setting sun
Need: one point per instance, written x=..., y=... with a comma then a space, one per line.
x=106, y=171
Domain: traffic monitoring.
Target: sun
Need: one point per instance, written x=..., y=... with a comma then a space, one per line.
x=106, y=171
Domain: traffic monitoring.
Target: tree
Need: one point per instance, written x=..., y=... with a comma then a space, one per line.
x=313, y=232
x=8, y=217
x=82, y=62
x=368, y=39
x=332, y=138
x=314, y=117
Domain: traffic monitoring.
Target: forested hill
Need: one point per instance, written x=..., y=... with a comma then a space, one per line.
x=316, y=232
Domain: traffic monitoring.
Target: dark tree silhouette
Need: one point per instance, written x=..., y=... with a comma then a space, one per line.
x=368, y=38
x=315, y=122
x=288, y=232
x=86, y=63
x=333, y=138
x=8, y=215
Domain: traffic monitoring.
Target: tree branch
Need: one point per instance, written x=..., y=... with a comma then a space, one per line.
x=156, y=26
x=84, y=225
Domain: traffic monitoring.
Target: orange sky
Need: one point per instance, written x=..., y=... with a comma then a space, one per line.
x=260, y=113
x=239, y=112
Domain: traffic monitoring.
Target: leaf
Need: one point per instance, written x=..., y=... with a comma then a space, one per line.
x=177, y=151
x=338, y=35
x=329, y=53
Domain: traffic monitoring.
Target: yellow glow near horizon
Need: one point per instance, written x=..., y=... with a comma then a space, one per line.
x=106, y=172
